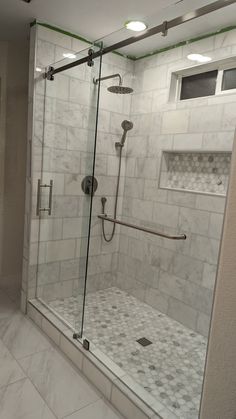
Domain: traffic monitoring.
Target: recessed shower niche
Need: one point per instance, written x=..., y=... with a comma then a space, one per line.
x=195, y=171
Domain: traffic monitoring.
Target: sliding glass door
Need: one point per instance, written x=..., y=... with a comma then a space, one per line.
x=64, y=188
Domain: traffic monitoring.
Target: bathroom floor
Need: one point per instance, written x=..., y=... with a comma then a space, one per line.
x=170, y=368
x=36, y=380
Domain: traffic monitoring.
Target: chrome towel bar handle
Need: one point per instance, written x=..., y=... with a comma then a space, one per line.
x=38, y=207
x=144, y=229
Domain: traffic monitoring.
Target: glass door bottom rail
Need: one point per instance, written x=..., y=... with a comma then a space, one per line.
x=168, y=362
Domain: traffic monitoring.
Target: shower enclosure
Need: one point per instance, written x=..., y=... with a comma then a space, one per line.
x=124, y=253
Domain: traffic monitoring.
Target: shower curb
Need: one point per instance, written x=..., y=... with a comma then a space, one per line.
x=119, y=395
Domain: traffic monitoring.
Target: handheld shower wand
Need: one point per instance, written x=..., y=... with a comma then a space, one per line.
x=126, y=125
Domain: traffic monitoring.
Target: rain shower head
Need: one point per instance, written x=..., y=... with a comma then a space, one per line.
x=121, y=90
x=127, y=126
x=118, y=88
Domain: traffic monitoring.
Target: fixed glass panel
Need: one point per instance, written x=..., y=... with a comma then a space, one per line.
x=71, y=101
x=229, y=79
x=149, y=298
x=198, y=85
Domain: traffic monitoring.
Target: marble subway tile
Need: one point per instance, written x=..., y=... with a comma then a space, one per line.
x=65, y=161
x=209, y=276
x=166, y=215
x=187, y=141
x=195, y=221
x=187, y=268
x=204, y=248
x=216, y=225
x=229, y=118
x=155, y=78
x=146, y=168
x=48, y=273
x=64, y=206
x=198, y=297
x=203, y=324
x=210, y=203
x=55, y=135
x=182, y=313
x=152, y=191
x=172, y=285
x=54, y=37
x=45, y=53
x=206, y=118
x=69, y=269
x=218, y=140
x=156, y=299
x=59, y=89
x=175, y=122
x=72, y=227
x=182, y=198
x=141, y=103
x=79, y=139
x=60, y=249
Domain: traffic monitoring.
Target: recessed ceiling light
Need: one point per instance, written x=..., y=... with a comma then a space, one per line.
x=38, y=69
x=135, y=25
x=69, y=55
x=199, y=58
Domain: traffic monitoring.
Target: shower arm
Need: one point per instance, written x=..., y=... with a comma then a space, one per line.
x=112, y=76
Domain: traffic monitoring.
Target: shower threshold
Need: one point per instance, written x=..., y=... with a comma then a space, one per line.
x=166, y=374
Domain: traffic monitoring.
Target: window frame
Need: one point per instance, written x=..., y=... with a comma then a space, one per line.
x=219, y=80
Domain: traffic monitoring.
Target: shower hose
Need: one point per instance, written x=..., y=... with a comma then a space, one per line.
x=109, y=239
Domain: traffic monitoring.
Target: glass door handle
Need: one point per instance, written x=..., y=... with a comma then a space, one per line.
x=38, y=207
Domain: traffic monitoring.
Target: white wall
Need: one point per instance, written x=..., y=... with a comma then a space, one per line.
x=14, y=156
x=3, y=83
x=218, y=400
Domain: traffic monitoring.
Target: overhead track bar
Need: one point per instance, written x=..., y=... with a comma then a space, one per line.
x=162, y=28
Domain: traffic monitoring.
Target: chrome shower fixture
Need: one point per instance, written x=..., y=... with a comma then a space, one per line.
x=117, y=89
x=127, y=126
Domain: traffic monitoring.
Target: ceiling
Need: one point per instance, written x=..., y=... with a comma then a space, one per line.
x=94, y=19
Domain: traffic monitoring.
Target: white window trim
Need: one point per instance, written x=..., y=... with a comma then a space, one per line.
x=221, y=68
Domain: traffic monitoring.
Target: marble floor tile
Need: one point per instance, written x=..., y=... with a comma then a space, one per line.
x=21, y=401
x=7, y=307
x=58, y=382
x=21, y=336
x=10, y=370
x=98, y=410
x=52, y=382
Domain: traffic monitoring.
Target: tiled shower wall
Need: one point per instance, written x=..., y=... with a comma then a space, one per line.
x=175, y=277
x=66, y=121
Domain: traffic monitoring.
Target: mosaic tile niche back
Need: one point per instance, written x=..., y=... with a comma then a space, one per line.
x=202, y=172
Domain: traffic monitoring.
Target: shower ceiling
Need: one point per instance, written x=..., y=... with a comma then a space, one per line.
x=95, y=19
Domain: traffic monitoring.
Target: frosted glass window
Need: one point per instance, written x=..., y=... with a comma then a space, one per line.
x=199, y=85
x=229, y=79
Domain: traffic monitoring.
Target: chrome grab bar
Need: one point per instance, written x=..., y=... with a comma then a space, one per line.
x=146, y=230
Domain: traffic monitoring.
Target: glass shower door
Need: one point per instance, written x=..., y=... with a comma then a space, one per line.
x=64, y=196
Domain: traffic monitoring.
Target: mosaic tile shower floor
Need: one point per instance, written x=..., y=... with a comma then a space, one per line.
x=171, y=368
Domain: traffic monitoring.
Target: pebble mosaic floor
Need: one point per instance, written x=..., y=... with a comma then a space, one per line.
x=170, y=369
